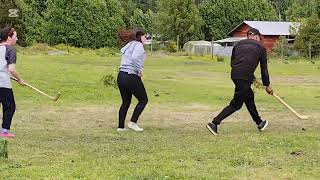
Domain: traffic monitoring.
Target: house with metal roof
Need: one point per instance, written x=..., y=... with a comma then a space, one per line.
x=271, y=31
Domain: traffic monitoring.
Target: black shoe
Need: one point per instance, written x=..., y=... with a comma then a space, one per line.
x=213, y=128
x=263, y=125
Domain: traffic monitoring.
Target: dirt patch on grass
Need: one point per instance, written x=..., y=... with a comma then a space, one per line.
x=187, y=117
x=297, y=80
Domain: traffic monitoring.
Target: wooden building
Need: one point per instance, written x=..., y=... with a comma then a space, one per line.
x=271, y=31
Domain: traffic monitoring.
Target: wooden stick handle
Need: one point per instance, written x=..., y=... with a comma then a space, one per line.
x=34, y=88
x=284, y=103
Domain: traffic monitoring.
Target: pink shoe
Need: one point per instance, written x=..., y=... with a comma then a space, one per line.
x=7, y=135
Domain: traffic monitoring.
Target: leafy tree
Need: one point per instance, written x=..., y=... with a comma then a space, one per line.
x=146, y=5
x=128, y=8
x=33, y=22
x=83, y=23
x=39, y=6
x=10, y=13
x=282, y=6
x=222, y=16
x=144, y=20
x=281, y=47
x=13, y=13
x=309, y=33
x=179, y=17
x=302, y=9
x=197, y=2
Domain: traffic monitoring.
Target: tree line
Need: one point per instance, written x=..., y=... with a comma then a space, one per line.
x=95, y=23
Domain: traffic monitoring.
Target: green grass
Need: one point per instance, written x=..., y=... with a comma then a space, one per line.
x=75, y=138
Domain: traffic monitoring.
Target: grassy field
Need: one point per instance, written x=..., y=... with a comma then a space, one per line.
x=75, y=138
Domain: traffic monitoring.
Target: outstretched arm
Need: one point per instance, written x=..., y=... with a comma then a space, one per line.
x=264, y=71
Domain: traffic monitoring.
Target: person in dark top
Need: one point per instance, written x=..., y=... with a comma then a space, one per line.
x=246, y=55
x=8, y=56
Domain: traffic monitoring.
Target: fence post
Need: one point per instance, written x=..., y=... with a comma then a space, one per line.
x=212, y=46
x=178, y=43
x=310, y=50
x=151, y=43
x=282, y=43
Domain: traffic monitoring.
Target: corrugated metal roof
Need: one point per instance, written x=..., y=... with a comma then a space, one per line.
x=230, y=40
x=270, y=27
x=204, y=43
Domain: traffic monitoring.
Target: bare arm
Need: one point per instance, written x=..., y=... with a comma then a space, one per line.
x=14, y=73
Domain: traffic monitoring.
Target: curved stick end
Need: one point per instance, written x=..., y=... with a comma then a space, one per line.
x=57, y=97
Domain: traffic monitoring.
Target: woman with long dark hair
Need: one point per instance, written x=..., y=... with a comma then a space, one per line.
x=129, y=77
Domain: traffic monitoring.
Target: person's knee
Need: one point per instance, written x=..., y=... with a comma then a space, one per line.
x=236, y=106
x=144, y=101
x=126, y=103
x=11, y=108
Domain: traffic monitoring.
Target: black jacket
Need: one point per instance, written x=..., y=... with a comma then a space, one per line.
x=245, y=58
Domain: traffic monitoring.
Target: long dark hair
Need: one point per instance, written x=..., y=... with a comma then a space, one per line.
x=6, y=32
x=128, y=35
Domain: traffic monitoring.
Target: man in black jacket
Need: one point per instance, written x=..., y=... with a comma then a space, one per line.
x=246, y=55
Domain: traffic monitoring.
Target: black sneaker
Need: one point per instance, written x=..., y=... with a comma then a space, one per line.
x=213, y=128
x=263, y=125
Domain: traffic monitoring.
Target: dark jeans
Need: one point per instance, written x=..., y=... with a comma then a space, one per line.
x=243, y=94
x=130, y=84
x=8, y=106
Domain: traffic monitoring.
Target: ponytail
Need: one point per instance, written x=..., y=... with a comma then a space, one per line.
x=126, y=35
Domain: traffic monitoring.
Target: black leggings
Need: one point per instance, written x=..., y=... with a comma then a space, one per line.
x=242, y=94
x=8, y=106
x=130, y=84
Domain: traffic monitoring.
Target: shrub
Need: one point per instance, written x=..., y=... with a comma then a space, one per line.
x=83, y=23
x=110, y=80
x=281, y=46
x=220, y=59
x=172, y=47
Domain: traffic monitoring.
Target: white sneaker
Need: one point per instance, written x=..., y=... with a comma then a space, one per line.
x=134, y=126
x=122, y=129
